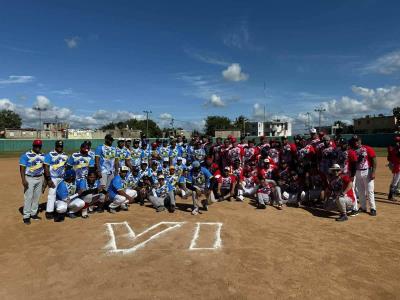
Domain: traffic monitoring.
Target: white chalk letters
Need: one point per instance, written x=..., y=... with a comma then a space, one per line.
x=156, y=231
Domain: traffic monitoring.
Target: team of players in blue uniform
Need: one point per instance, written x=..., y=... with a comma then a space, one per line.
x=311, y=171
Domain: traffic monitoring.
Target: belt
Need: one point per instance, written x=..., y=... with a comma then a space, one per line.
x=362, y=169
x=33, y=175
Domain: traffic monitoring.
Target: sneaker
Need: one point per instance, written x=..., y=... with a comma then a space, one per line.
x=280, y=207
x=390, y=196
x=112, y=211
x=124, y=207
x=71, y=215
x=36, y=218
x=99, y=209
x=27, y=221
x=195, y=211
x=205, y=205
x=373, y=212
x=261, y=206
x=342, y=218
x=353, y=213
x=171, y=209
x=160, y=209
x=91, y=209
x=49, y=215
x=85, y=214
x=59, y=217
x=240, y=198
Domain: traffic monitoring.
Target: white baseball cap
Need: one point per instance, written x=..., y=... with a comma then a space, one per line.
x=166, y=159
x=335, y=167
x=124, y=169
x=313, y=130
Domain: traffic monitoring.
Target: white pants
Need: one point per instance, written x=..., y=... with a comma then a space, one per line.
x=395, y=182
x=263, y=198
x=89, y=199
x=74, y=206
x=51, y=198
x=106, y=179
x=118, y=199
x=344, y=203
x=249, y=192
x=365, y=188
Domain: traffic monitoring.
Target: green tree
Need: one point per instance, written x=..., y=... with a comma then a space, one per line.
x=217, y=123
x=9, y=119
x=239, y=124
x=154, y=130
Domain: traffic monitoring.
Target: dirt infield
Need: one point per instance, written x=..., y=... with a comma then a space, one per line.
x=265, y=254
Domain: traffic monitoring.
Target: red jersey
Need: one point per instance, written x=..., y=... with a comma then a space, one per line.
x=365, y=154
x=338, y=184
x=226, y=182
x=394, y=158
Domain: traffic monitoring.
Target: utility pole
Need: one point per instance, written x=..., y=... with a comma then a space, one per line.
x=308, y=122
x=319, y=110
x=172, y=125
x=147, y=112
x=39, y=109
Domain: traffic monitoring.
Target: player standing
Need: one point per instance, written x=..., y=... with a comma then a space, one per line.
x=106, y=161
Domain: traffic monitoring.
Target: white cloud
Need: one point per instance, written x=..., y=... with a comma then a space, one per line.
x=234, y=73
x=208, y=59
x=386, y=64
x=42, y=102
x=165, y=116
x=6, y=104
x=215, y=101
x=16, y=79
x=72, y=42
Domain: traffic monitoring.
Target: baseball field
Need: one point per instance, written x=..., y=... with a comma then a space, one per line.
x=233, y=251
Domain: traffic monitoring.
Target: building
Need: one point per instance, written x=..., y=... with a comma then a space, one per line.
x=225, y=133
x=272, y=128
x=55, y=126
x=376, y=124
x=30, y=133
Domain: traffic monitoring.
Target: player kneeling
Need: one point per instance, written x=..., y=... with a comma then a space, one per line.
x=91, y=191
x=267, y=193
x=119, y=195
x=162, y=195
x=248, y=184
x=226, y=185
x=67, y=199
x=199, y=182
x=340, y=188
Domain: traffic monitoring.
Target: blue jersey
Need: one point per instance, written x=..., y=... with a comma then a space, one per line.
x=33, y=163
x=65, y=190
x=116, y=185
x=162, y=191
x=83, y=184
x=174, y=153
x=175, y=180
x=136, y=156
x=201, y=179
x=198, y=154
x=56, y=162
x=81, y=164
x=107, y=155
x=164, y=152
x=179, y=168
x=145, y=154
x=132, y=181
x=122, y=154
x=92, y=154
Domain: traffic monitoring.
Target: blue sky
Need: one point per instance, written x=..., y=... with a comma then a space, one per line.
x=91, y=62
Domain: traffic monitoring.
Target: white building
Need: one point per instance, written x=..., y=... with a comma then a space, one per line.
x=270, y=128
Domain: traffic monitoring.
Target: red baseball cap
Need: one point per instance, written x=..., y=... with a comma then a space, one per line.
x=397, y=138
x=37, y=143
x=233, y=140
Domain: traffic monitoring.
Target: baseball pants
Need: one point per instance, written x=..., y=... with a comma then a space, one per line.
x=163, y=201
x=365, y=188
x=263, y=198
x=119, y=199
x=395, y=182
x=90, y=199
x=344, y=203
x=249, y=192
x=74, y=206
x=106, y=178
x=51, y=197
x=32, y=196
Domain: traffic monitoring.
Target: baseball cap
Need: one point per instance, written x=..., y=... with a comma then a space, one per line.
x=233, y=140
x=172, y=167
x=69, y=173
x=59, y=143
x=267, y=160
x=124, y=169
x=335, y=167
x=144, y=162
x=161, y=177
x=326, y=138
x=108, y=137
x=195, y=164
x=165, y=159
x=227, y=169
x=397, y=138
x=136, y=141
x=121, y=139
x=313, y=130
x=37, y=143
x=179, y=158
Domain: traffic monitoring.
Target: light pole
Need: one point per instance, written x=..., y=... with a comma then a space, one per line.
x=319, y=110
x=40, y=109
x=147, y=112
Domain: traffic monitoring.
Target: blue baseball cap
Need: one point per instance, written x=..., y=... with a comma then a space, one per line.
x=195, y=164
x=69, y=174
